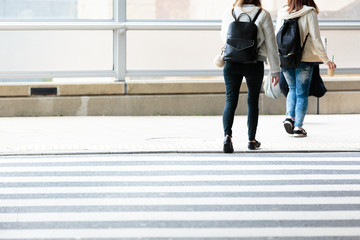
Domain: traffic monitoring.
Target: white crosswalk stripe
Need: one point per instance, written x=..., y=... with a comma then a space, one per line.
x=184, y=197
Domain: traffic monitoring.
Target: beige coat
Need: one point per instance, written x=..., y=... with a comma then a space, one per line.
x=314, y=50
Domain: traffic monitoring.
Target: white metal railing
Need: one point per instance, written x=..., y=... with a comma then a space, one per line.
x=149, y=25
x=216, y=25
x=120, y=26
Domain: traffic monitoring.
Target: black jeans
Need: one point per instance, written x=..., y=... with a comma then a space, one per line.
x=233, y=75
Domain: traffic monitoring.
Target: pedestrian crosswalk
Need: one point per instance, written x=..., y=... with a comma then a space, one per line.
x=181, y=196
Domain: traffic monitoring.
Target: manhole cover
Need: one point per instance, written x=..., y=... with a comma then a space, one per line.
x=179, y=139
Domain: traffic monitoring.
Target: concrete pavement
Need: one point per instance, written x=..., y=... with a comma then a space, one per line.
x=156, y=134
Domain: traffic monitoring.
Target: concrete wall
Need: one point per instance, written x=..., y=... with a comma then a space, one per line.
x=159, y=98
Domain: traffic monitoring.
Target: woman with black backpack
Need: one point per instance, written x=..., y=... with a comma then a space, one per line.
x=245, y=57
x=298, y=73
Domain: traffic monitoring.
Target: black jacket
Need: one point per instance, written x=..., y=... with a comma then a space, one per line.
x=317, y=87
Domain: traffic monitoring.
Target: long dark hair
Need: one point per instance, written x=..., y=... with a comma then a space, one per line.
x=255, y=2
x=297, y=5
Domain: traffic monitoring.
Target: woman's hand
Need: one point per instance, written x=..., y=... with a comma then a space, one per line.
x=275, y=80
x=331, y=65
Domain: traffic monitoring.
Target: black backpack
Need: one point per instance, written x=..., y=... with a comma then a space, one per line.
x=289, y=43
x=241, y=42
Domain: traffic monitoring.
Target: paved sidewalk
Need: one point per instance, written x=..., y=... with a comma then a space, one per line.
x=53, y=135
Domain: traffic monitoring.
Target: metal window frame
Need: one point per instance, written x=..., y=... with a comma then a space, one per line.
x=120, y=25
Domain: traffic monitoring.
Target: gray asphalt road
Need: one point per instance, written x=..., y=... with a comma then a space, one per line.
x=181, y=196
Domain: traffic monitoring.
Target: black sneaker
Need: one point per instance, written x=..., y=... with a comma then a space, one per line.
x=228, y=146
x=300, y=133
x=254, y=145
x=289, y=125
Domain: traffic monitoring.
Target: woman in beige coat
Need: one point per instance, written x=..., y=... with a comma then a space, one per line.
x=234, y=72
x=299, y=78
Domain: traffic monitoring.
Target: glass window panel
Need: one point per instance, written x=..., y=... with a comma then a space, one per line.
x=177, y=9
x=178, y=50
x=56, y=50
x=172, y=50
x=56, y=9
x=214, y=9
x=336, y=40
x=339, y=10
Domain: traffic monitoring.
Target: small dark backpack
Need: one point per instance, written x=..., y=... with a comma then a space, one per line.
x=241, y=42
x=289, y=43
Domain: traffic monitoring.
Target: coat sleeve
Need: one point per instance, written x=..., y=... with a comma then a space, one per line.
x=271, y=46
x=314, y=32
x=226, y=20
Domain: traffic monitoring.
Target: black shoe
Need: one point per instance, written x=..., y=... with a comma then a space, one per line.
x=289, y=125
x=254, y=145
x=300, y=133
x=228, y=146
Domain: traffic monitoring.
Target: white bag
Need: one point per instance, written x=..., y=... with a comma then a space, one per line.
x=269, y=89
x=219, y=59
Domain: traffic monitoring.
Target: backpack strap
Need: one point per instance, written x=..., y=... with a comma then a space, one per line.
x=233, y=13
x=257, y=15
x=305, y=40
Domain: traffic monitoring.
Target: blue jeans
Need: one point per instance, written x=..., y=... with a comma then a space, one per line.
x=233, y=75
x=299, y=80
